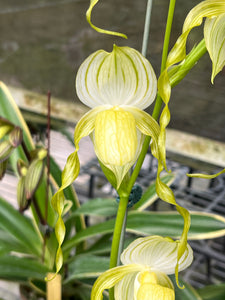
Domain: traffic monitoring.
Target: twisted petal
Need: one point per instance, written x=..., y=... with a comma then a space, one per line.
x=88, y=16
x=214, y=33
x=121, y=77
x=209, y=9
x=111, y=277
x=158, y=253
x=71, y=170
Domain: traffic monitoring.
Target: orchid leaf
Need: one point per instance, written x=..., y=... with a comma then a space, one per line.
x=87, y=266
x=20, y=269
x=212, y=292
x=8, y=243
x=97, y=207
x=20, y=227
x=203, y=226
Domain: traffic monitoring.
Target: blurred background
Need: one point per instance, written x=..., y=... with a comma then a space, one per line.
x=43, y=42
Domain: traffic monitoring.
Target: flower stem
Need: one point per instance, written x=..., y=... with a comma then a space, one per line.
x=158, y=103
x=120, y=221
x=147, y=28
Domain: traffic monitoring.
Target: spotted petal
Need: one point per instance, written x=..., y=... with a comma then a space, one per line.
x=159, y=253
x=121, y=77
x=214, y=33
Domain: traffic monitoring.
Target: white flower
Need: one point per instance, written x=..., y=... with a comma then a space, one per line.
x=143, y=276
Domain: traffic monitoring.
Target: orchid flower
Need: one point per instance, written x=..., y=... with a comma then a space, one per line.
x=143, y=276
x=117, y=86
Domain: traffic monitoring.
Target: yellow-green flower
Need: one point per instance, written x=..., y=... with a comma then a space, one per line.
x=143, y=276
x=117, y=86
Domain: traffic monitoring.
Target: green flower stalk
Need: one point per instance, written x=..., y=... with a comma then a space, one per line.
x=146, y=262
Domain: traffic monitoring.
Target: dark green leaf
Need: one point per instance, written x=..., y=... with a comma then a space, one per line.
x=98, y=207
x=20, y=269
x=8, y=243
x=87, y=266
x=20, y=227
x=203, y=225
x=213, y=292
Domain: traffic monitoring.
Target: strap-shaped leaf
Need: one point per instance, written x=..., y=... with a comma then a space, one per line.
x=21, y=269
x=20, y=227
x=203, y=226
x=212, y=292
x=87, y=266
x=8, y=243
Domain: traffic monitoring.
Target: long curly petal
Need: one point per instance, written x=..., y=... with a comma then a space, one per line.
x=71, y=170
x=88, y=16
